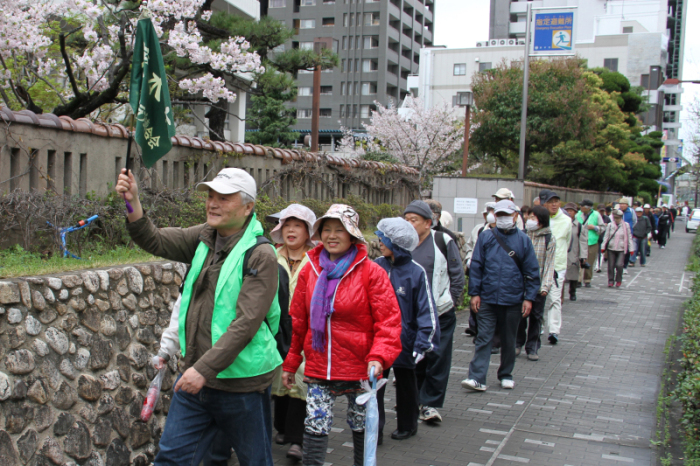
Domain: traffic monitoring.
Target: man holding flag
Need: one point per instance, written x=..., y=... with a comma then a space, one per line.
x=228, y=316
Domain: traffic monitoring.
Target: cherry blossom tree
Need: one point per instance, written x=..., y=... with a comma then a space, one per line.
x=421, y=138
x=73, y=57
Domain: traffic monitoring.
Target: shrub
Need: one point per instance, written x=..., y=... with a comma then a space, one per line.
x=687, y=391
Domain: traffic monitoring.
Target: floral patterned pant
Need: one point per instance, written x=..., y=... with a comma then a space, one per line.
x=320, y=399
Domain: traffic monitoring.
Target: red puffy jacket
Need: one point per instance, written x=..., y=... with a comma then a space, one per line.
x=364, y=326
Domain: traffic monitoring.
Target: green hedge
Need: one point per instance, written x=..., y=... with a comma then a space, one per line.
x=687, y=391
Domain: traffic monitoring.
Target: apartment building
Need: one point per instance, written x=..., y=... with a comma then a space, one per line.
x=378, y=43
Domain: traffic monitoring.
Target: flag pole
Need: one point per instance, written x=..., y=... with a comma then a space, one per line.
x=129, y=209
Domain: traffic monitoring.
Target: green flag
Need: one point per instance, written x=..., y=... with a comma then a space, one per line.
x=149, y=96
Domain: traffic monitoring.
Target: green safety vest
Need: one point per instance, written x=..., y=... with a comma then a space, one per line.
x=592, y=220
x=261, y=355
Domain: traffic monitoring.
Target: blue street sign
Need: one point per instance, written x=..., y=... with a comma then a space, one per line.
x=671, y=159
x=554, y=32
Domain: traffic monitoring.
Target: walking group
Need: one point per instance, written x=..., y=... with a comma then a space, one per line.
x=272, y=333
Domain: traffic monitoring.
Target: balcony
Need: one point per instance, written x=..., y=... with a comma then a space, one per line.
x=392, y=56
x=517, y=28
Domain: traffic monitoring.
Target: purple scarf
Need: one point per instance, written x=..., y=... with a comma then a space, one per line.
x=324, y=290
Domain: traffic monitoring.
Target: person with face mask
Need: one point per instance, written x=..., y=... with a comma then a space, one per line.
x=489, y=222
x=618, y=242
x=504, y=281
x=545, y=247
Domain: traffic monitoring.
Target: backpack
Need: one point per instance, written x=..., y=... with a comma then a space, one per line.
x=284, y=334
x=440, y=243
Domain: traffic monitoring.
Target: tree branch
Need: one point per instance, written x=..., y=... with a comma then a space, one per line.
x=66, y=60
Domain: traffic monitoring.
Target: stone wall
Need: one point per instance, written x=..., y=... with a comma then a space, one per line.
x=74, y=353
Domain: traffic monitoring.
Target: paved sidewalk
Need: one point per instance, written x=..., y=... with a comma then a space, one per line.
x=590, y=400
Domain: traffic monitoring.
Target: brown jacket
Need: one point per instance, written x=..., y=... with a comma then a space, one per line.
x=254, y=300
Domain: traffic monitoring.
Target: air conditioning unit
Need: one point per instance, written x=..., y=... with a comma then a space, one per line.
x=479, y=44
x=512, y=42
x=502, y=42
x=494, y=42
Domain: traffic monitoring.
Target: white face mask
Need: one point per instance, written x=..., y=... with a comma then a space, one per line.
x=490, y=218
x=532, y=225
x=505, y=223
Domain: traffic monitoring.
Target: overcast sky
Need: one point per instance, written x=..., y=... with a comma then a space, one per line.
x=461, y=23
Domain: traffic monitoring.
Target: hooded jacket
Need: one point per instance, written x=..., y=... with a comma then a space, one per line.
x=419, y=319
x=365, y=324
x=494, y=275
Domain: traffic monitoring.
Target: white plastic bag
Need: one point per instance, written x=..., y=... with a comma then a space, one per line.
x=372, y=417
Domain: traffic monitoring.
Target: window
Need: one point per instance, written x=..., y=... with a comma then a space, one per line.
x=304, y=91
x=369, y=88
x=307, y=24
x=670, y=99
x=357, y=65
x=328, y=21
x=352, y=42
x=371, y=19
x=326, y=90
x=369, y=64
x=325, y=113
x=610, y=64
x=342, y=88
x=364, y=111
x=306, y=45
x=352, y=19
x=308, y=2
x=345, y=21
x=645, y=81
x=67, y=170
x=485, y=66
x=354, y=111
x=304, y=113
x=669, y=117
x=349, y=93
x=357, y=42
x=357, y=88
x=460, y=69
x=342, y=66
x=628, y=30
x=371, y=42
x=329, y=2
x=278, y=3
x=342, y=111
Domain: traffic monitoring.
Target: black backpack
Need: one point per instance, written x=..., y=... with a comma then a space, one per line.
x=284, y=334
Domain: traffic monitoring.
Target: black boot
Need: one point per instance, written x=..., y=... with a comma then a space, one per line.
x=314, y=449
x=358, y=445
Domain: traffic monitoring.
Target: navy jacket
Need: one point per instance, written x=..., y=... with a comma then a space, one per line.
x=420, y=328
x=494, y=276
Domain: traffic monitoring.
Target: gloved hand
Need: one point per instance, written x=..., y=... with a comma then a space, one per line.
x=419, y=356
x=160, y=360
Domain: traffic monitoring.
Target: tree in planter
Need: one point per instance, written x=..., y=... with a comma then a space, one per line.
x=420, y=138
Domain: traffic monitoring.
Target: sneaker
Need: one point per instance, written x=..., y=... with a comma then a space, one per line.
x=470, y=332
x=508, y=384
x=518, y=350
x=471, y=384
x=553, y=338
x=572, y=297
x=429, y=414
x=624, y=271
x=643, y=265
x=611, y=284
x=279, y=439
x=598, y=270
x=663, y=247
x=295, y=452
x=495, y=350
x=618, y=284
x=632, y=264
x=588, y=285
x=533, y=357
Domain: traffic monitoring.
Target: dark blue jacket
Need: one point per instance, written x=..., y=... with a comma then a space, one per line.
x=420, y=328
x=495, y=277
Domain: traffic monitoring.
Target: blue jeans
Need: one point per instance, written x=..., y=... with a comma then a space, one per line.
x=194, y=421
x=506, y=319
x=641, y=250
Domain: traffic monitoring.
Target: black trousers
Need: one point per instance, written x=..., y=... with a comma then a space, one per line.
x=289, y=418
x=406, y=399
x=433, y=372
x=663, y=235
x=530, y=326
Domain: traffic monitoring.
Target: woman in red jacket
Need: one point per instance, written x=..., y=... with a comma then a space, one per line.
x=346, y=320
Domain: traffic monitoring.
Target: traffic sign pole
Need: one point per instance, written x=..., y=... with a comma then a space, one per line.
x=526, y=79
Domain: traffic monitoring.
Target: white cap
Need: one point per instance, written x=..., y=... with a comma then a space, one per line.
x=506, y=206
x=504, y=193
x=639, y=209
x=647, y=206
x=229, y=181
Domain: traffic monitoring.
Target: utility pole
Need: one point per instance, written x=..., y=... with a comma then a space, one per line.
x=526, y=79
x=466, y=99
x=316, y=108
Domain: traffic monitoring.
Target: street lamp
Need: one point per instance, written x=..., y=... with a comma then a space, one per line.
x=465, y=99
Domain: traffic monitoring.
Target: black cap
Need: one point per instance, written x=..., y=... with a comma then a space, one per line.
x=546, y=195
x=420, y=208
x=587, y=203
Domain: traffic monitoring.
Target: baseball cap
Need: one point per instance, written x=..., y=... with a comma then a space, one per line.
x=546, y=195
x=647, y=206
x=229, y=181
x=506, y=206
x=489, y=206
x=639, y=209
x=587, y=203
x=503, y=193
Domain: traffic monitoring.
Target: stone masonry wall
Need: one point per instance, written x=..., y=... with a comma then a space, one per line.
x=74, y=365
